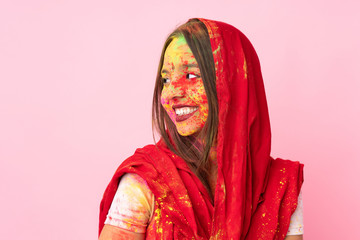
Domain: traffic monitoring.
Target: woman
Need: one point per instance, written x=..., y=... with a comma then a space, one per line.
x=211, y=175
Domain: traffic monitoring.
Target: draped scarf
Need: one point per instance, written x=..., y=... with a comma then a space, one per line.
x=255, y=195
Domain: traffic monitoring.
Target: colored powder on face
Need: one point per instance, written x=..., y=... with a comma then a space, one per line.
x=183, y=85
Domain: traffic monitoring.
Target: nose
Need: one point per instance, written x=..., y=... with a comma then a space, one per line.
x=174, y=90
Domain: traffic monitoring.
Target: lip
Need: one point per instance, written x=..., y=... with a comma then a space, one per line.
x=181, y=106
x=186, y=116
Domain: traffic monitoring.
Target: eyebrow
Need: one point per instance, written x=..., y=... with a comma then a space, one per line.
x=164, y=71
x=191, y=65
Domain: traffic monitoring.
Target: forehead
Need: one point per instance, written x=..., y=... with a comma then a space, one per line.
x=178, y=51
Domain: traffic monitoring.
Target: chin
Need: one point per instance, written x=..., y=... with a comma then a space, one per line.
x=187, y=132
x=184, y=134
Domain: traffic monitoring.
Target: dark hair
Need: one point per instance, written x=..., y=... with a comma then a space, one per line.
x=194, y=150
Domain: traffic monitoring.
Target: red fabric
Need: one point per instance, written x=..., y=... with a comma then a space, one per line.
x=255, y=195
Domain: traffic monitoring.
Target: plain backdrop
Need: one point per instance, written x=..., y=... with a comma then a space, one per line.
x=76, y=83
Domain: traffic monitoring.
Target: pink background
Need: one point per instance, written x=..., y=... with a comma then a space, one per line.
x=76, y=82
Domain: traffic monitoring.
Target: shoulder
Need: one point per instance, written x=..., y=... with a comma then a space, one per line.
x=141, y=155
x=133, y=182
x=139, y=163
x=284, y=163
x=142, y=161
x=287, y=169
x=285, y=181
x=149, y=155
x=135, y=190
x=132, y=205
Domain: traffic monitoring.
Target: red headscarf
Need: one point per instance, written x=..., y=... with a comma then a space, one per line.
x=255, y=195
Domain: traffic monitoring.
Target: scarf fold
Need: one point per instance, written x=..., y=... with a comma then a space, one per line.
x=255, y=195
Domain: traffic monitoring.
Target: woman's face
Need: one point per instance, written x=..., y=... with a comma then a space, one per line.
x=183, y=95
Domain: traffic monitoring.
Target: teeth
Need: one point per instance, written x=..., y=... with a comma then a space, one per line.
x=185, y=110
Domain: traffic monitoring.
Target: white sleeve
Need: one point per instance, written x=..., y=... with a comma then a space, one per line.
x=133, y=204
x=296, y=223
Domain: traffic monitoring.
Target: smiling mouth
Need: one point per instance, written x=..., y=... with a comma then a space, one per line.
x=184, y=112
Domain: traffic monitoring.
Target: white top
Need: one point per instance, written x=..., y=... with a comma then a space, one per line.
x=133, y=206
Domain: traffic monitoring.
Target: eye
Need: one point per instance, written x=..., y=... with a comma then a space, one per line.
x=190, y=76
x=165, y=80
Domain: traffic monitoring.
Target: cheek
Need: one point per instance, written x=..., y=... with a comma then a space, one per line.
x=204, y=108
x=163, y=99
x=166, y=105
x=198, y=94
